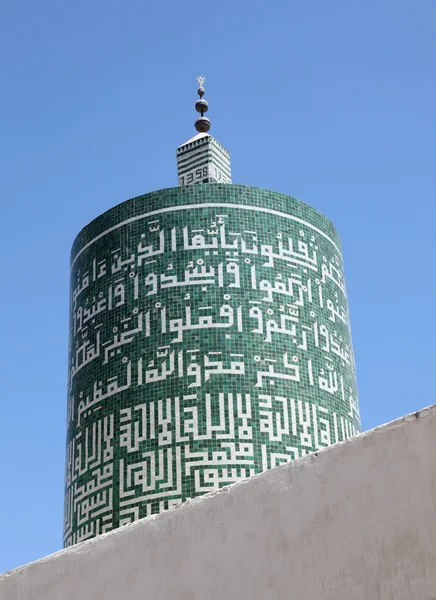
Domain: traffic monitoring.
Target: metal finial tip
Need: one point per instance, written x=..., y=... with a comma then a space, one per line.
x=202, y=124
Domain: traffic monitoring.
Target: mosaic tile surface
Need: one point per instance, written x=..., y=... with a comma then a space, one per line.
x=209, y=341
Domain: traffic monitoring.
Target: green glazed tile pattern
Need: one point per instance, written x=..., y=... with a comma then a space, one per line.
x=209, y=341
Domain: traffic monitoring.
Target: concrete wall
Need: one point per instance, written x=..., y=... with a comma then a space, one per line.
x=356, y=521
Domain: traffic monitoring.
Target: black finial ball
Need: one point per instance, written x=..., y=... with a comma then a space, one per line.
x=201, y=91
x=201, y=106
x=202, y=125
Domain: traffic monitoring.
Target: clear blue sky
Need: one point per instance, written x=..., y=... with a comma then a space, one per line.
x=330, y=102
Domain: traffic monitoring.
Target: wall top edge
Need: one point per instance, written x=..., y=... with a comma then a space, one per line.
x=164, y=198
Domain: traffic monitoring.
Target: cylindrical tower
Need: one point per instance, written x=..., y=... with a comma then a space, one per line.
x=209, y=341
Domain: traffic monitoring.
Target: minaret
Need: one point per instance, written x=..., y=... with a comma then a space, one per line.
x=209, y=341
x=202, y=159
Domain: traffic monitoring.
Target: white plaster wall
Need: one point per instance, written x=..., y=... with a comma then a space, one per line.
x=357, y=521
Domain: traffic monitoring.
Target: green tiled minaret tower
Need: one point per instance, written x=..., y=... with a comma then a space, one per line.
x=209, y=341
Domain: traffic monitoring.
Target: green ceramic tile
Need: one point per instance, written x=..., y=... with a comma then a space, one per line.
x=209, y=341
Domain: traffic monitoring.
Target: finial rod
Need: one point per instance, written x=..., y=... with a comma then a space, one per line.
x=202, y=124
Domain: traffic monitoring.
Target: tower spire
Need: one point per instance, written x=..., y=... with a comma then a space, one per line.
x=202, y=124
x=202, y=159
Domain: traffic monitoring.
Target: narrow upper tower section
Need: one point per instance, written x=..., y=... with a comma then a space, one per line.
x=202, y=159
